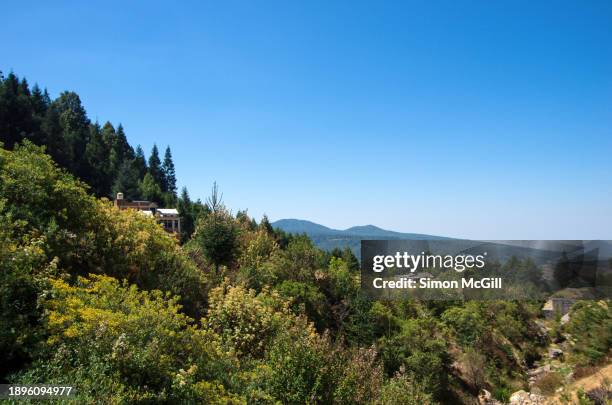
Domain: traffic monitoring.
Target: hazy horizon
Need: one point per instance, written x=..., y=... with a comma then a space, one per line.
x=487, y=121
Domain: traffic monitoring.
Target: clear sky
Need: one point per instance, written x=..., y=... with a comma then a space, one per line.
x=478, y=119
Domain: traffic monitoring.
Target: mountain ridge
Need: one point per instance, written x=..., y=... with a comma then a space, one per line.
x=295, y=225
x=329, y=238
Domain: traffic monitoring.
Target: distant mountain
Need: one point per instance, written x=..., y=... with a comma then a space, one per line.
x=328, y=238
x=303, y=226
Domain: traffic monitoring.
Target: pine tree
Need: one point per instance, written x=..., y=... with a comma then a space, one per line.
x=16, y=114
x=217, y=233
x=109, y=137
x=185, y=209
x=24, y=88
x=52, y=136
x=266, y=225
x=96, y=154
x=154, y=167
x=140, y=162
x=40, y=101
x=75, y=131
x=169, y=173
x=108, y=134
x=124, y=150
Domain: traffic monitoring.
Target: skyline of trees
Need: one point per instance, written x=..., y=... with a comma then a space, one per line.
x=98, y=154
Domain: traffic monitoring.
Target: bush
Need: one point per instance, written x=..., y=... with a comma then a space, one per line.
x=421, y=350
x=549, y=382
x=23, y=271
x=467, y=322
x=299, y=371
x=590, y=326
x=361, y=379
x=217, y=235
x=404, y=389
x=246, y=321
x=473, y=366
x=126, y=345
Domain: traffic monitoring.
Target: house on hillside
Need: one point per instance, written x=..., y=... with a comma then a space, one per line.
x=168, y=217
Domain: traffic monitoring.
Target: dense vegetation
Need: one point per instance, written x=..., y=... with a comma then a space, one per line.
x=240, y=313
x=99, y=155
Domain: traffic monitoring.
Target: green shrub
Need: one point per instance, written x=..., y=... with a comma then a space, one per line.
x=128, y=345
x=404, y=389
x=246, y=322
x=590, y=327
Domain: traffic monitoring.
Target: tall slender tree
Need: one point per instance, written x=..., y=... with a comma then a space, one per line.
x=52, y=136
x=40, y=101
x=96, y=153
x=185, y=209
x=75, y=130
x=169, y=173
x=154, y=167
x=141, y=163
x=122, y=146
x=15, y=111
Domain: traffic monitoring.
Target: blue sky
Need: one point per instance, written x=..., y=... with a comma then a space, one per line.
x=475, y=119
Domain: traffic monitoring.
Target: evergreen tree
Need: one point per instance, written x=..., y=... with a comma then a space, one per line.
x=215, y=201
x=217, y=236
x=96, y=153
x=185, y=209
x=169, y=173
x=16, y=112
x=40, y=101
x=140, y=162
x=109, y=135
x=75, y=131
x=266, y=225
x=122, y=146
x=52, y=138
x=154, y=168
x=350, y=259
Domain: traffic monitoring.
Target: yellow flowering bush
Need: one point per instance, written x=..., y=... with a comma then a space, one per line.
x=109, y=335
x=247, y=321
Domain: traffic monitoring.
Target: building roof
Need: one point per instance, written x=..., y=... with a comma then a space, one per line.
x=167, y=211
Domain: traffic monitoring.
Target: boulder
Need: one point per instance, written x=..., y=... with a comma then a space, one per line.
x=538, y=371
x=525, y=398
x=485, y=398
x=555, y=353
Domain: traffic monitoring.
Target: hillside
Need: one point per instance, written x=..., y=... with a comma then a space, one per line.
x=239, y=312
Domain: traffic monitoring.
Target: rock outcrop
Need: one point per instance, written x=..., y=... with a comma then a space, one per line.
x=526, y=398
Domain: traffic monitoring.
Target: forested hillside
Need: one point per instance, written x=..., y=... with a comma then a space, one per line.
x=239, y=313
x=99, y=155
